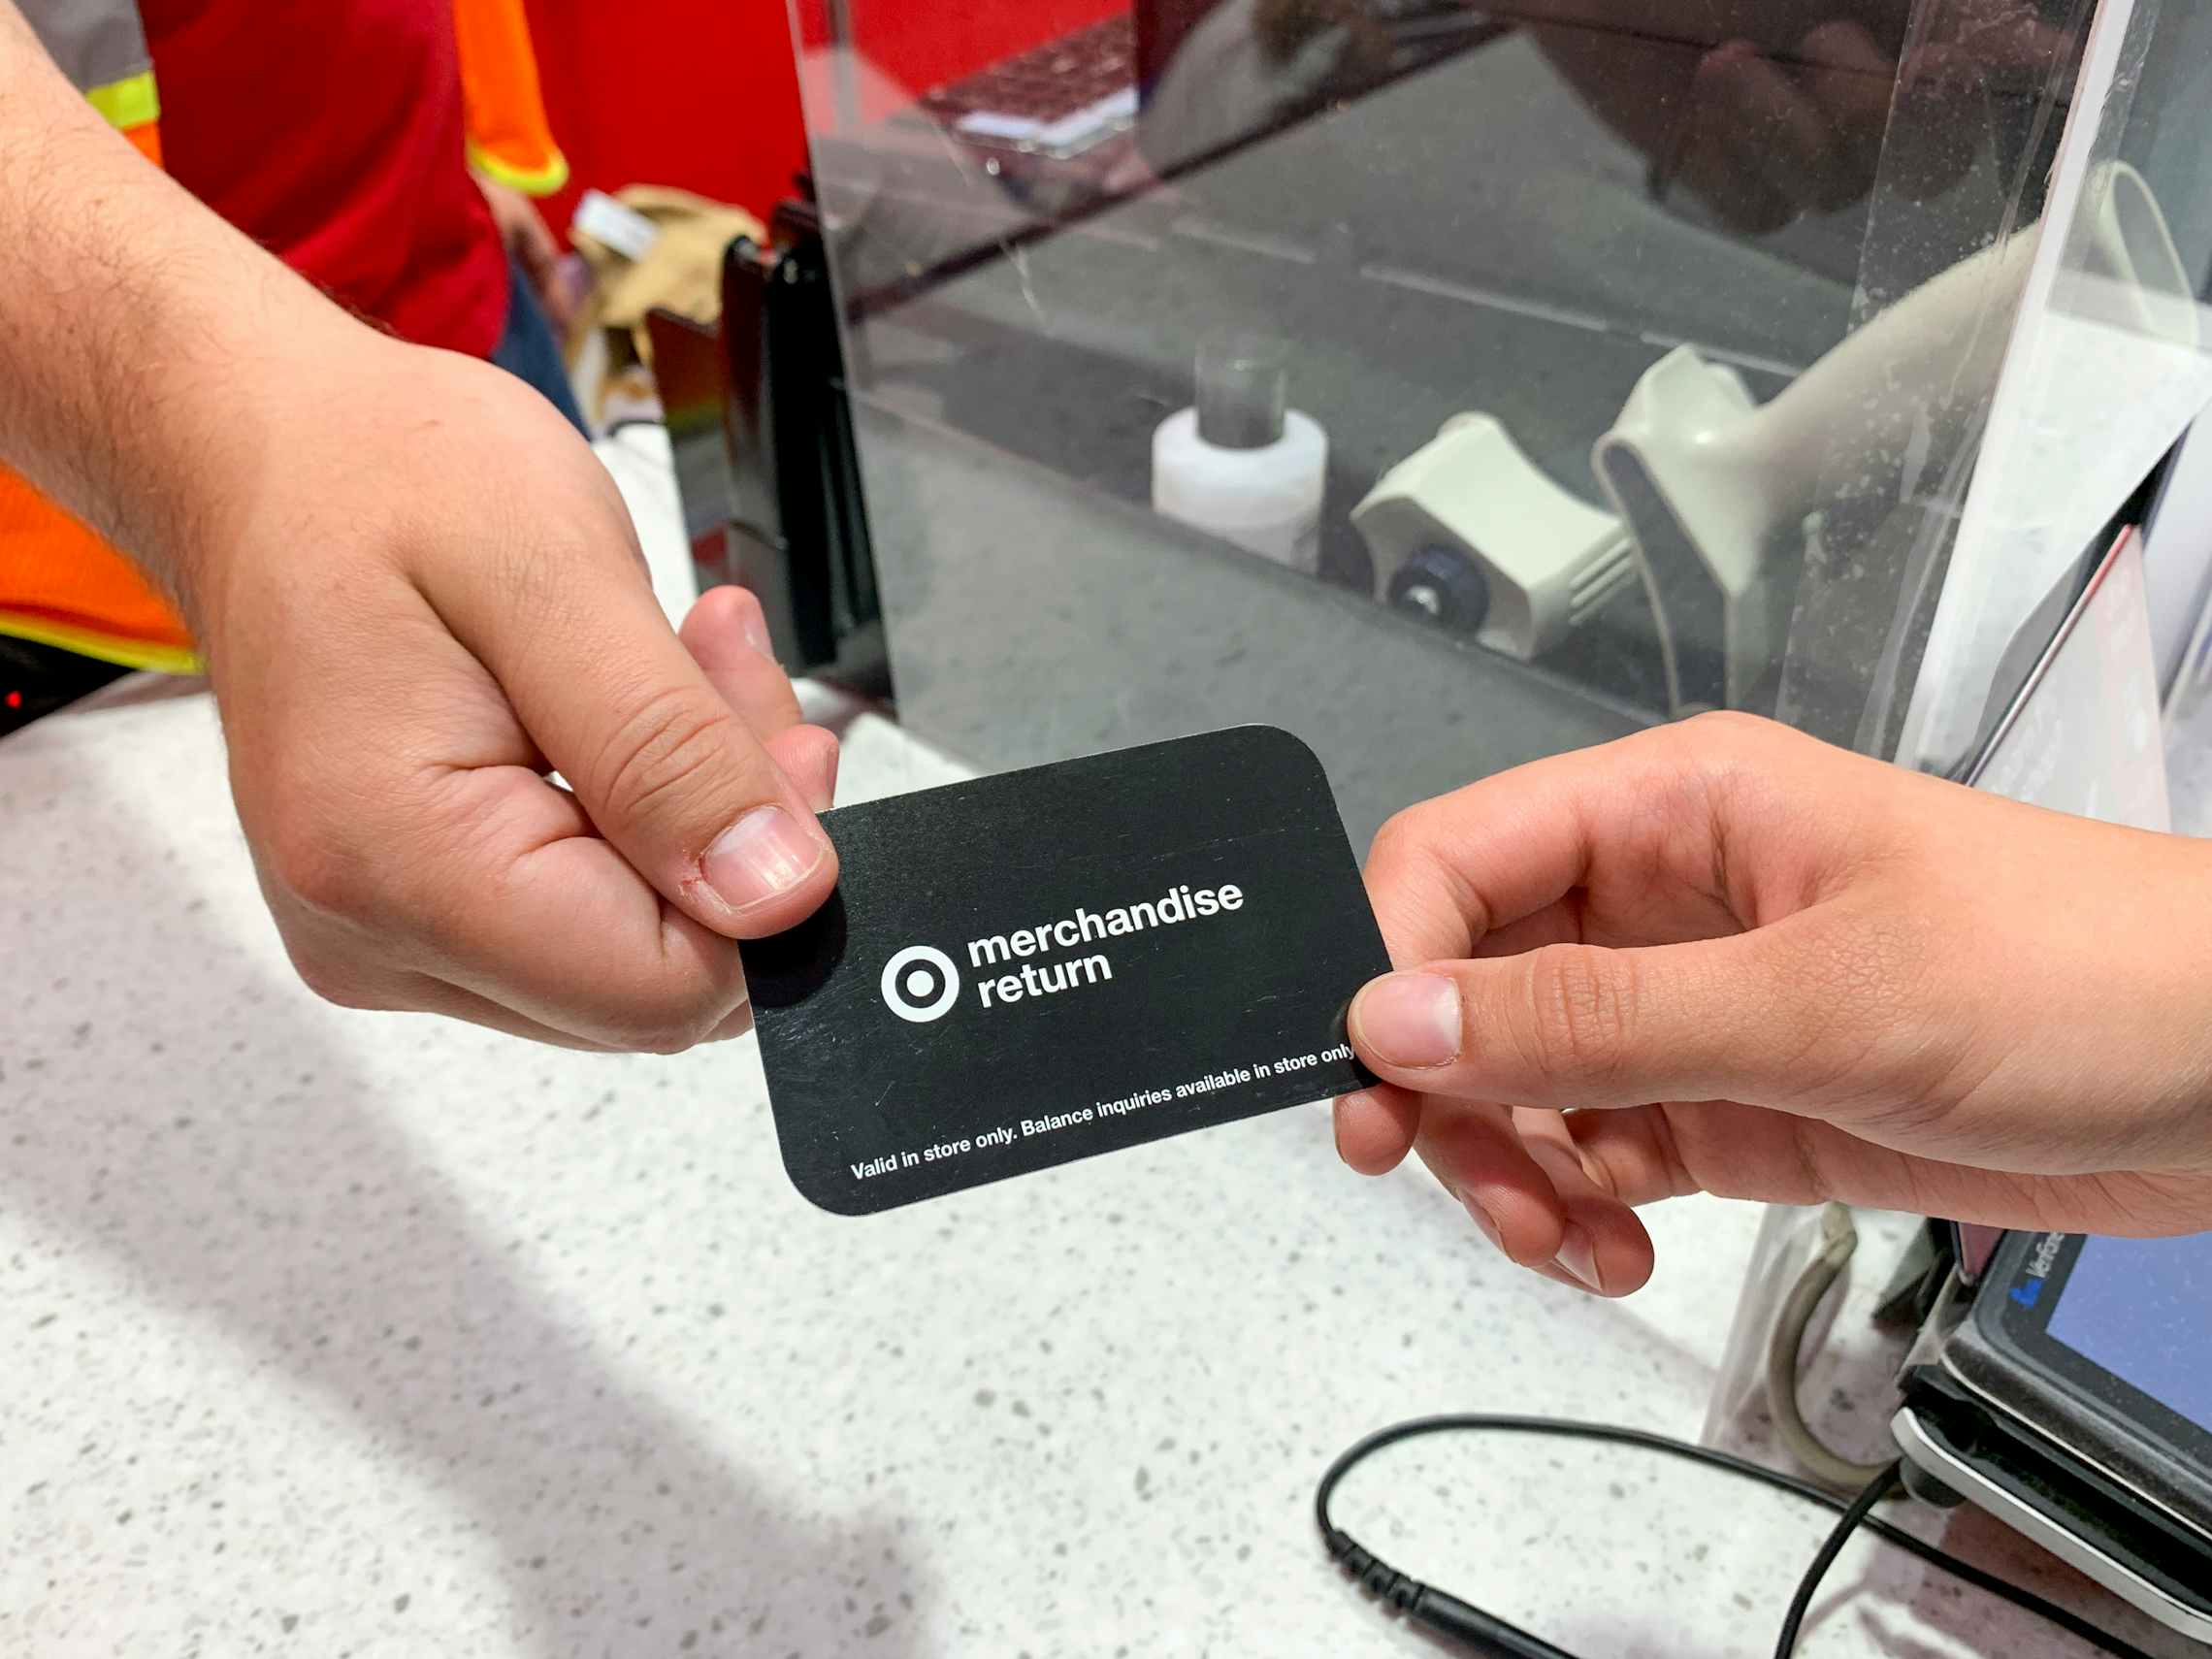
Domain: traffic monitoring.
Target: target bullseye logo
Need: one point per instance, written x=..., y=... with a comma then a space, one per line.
x=920, y=983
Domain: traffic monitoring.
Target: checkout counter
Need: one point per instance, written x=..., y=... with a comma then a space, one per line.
x=381, y=1333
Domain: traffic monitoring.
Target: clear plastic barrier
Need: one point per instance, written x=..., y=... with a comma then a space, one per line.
x=1453, y=385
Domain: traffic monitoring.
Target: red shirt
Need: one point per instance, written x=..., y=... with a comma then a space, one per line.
x=331, y=133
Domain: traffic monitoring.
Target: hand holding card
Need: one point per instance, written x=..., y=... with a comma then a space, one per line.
x=1023, y=970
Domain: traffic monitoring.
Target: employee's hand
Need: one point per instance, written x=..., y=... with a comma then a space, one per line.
x=417, y=593
x=432, y=597
x=1740, y=961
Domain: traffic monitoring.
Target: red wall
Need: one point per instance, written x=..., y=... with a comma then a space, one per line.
x=704, y=93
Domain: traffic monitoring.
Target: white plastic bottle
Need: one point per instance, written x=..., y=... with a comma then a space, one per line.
x=1237, y=465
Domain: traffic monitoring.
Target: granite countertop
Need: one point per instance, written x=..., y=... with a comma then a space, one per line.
x=340, y=1333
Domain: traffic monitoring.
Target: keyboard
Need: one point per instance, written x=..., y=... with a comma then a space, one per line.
x=1056, y=100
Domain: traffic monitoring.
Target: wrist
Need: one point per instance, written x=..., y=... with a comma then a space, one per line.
x=144, y=343
x=239, y=415
x=282, y=421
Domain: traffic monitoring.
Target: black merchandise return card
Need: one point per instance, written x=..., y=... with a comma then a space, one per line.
x=1022, y=970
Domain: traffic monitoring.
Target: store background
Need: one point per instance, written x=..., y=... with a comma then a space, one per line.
x=703, y=94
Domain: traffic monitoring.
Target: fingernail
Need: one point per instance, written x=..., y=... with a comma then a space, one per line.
x=763, y=855
x=1409, y=1019
x=1482, y=1219
x=1578, y=1256
x=755, y=627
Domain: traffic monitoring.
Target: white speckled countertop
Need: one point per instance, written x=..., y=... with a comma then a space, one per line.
x=330, y=1333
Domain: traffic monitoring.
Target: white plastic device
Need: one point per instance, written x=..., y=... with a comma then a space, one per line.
x=1716, y=488
x=1470, y=532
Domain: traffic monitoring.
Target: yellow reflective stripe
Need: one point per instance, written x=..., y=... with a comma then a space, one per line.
x=531, y=182
x=107, y=647
x=131, y=102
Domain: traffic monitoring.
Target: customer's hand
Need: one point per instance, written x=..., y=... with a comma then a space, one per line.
x=420, y=597
x=1744, y=962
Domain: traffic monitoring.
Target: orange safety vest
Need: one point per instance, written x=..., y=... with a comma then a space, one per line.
x=60, y=584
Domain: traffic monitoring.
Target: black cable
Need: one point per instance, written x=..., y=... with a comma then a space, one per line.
x=1448, y=1615
x=1880, y=1487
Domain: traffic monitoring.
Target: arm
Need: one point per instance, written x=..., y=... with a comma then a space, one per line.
x=416, y=591
x=122, y=307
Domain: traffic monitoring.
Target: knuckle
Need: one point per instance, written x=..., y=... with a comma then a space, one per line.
x=663, y=754
x=1725, y=733
x=1425, y=845
x=317, y=871
x=1727, y=722
x=334, y=983
x=664, y=1010
x=1425, y=895
x=1399, y=841
x=674, y=1040
x=663, y=1030
x=1581, y=1007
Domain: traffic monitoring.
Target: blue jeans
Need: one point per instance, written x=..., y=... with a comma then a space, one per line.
x=528, y=350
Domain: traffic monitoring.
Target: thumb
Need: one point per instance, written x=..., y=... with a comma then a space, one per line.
x=1577, y=1026
x=680, y=784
